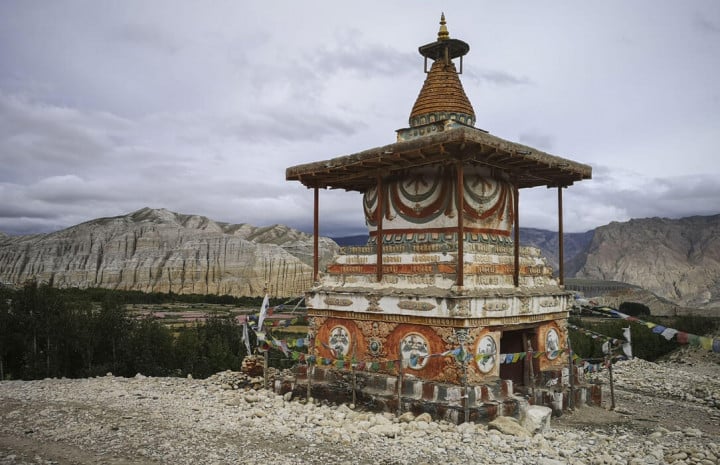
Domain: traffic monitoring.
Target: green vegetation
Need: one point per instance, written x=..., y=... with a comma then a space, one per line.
x=50, y=332
x=645, y=344
x=634, y=309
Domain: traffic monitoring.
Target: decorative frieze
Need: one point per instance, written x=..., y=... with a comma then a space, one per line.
x=549, y=303
x=496, y=306
x=337, y=302
x=373, y=303
x=415, y=305
x=459, y=308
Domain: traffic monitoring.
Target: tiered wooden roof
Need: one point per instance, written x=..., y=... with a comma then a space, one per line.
x=527, y=167
x=443, y=98
x=442, y=92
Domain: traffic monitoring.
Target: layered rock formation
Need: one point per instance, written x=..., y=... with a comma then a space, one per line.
x=160, y=251
x=675, y=259
x=547, y=242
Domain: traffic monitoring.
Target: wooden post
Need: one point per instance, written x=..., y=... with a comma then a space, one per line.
x=462, y=335
x=528, y=358
x=379, y=231
x=352, y=370
x=316, y=235
x=516, y=249
x=460, y=191
x=399, y=381
x=561, y=254
x=571, y=399
x=531, y=369
x=309, y=380
x=612, y=385
x=265, y=368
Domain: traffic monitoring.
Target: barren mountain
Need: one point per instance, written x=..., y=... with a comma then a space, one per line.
x=676, y=259
x=547, y=242
x=156, y=250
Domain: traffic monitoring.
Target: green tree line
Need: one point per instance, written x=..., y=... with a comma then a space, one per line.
x=645, y=344
x=50, y=332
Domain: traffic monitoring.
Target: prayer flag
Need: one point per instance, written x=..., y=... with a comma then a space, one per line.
x=263, y=311
x=246, y=338
x=669, y=333
x=706, y=343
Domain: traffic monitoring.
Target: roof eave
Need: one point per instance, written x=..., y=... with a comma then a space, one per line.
x=357, y=171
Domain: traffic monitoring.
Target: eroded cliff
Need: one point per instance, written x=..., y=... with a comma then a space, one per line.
x=675, y=259
x=155, y=250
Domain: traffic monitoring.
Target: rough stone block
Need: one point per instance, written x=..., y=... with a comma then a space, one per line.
x=536, y=419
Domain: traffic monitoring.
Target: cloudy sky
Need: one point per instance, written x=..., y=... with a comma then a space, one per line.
x=198, y=107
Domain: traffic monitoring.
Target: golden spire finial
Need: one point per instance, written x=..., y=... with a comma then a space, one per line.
x=443, y=33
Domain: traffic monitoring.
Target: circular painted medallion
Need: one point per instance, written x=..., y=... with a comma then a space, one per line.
x=415, y=350
x=552, y=344
x=375, y=346
x=487, y=354
x=339, y=340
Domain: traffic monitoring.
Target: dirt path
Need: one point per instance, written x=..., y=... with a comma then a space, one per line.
x=20, y=450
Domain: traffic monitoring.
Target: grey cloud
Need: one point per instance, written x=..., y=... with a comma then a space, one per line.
x=639, y=197
x=287, y=125
x=38, y=140
x=536, y=139
x=26, y=210
x=370, y=60
x=496, y=77
x=145, y=36
x=706, y=25
x=71, y=189
x=108, y=108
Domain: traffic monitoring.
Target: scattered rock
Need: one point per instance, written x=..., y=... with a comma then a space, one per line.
x=536, y=419
x=186, y=421
x=508, y=425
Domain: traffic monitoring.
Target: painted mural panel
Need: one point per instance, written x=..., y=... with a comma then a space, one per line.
x=553, y=341
x=339, y=338
x=486, y=352
x=424, y=200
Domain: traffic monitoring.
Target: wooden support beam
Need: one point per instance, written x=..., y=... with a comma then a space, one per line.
x=516, y=250
x=379, y=236
x=460, y=192
x=561, y=254
x=316, y=235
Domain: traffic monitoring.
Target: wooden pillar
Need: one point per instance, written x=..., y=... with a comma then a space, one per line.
x=530, y=355
x=571, y=368
x=460, y=278
x=516, y=251
x=561, y=254
x=316, y=235
x=528, y=359
x=379, y=231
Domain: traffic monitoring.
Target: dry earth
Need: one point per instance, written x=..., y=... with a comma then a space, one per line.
x=666, y=413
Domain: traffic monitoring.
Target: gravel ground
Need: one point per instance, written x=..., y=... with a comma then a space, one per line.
x=665, y=413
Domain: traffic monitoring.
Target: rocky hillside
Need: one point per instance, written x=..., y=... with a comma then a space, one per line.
x=547, y=242
x=156, y=250
x=676, y=259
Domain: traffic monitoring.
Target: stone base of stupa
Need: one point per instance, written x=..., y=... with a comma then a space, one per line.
x=478, y=403
x=488, y=337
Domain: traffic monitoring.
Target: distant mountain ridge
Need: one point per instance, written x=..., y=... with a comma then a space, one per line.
x=677, y=259
x=156, y=250
x=159, y=250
